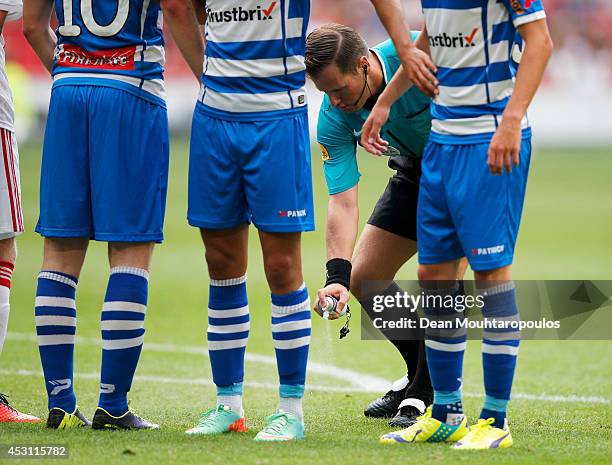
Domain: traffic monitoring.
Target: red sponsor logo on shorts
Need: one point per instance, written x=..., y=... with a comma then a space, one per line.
x=489, y=250
x=291, y=213
x=112, y=59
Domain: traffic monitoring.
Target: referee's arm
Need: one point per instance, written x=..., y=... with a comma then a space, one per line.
x=342, y=224
x=340, y=237
x=338, y=149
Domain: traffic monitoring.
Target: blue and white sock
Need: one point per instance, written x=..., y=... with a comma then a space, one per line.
x=56, y=328
x=123, y=315
x=444, y=350
x=291, y=335
x=499, y=351
x=228, y=333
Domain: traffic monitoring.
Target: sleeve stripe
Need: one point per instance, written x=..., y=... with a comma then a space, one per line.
x=530, y=18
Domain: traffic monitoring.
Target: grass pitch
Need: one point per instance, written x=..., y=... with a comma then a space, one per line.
x=566, y=234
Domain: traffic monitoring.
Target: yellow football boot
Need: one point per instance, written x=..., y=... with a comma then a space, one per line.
x=485, y=436
x=428, y=429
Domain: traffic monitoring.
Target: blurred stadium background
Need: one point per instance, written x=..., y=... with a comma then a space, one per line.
x=573, y=107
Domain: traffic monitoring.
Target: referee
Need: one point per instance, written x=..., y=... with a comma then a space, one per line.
x=352, y=77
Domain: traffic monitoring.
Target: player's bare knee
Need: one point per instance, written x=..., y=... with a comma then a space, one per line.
x=223, y=263
x=137, y=255
x=8, y=250
x=282, y=272
x=65, y=254
x=497, y=274
x=438, y=274
x=425, y=273
x=430, y=274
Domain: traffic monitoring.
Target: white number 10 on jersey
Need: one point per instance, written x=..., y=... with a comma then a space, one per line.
x=72, y=30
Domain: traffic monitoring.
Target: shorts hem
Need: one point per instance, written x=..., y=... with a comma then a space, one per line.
x=344, y=187
x=109, y=237
x=53, y=232
x=215, y=224
x=379, y=224
x=104, y=237
x=436, y=259
x=486, y=266
x=285, y=228
x=9, y=234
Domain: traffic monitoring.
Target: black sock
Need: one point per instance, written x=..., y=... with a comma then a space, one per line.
x=420, y=385
x=409, y=350
x=407, y=345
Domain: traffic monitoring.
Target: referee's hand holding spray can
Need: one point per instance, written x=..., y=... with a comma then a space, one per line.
x=332, y=300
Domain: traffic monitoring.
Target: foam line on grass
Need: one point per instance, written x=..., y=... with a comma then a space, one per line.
x=361, y=382
x=315, y=387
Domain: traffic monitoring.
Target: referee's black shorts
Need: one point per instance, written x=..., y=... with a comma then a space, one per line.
x=396, y=210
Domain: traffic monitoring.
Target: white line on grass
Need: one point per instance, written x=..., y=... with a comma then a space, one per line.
x=360, y=382
x=311, y=387
x=194, y=381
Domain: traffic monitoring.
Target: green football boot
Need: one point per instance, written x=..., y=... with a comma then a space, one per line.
x=281, y=426
x=218, y=420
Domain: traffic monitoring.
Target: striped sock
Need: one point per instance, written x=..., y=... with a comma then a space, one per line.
x=123, y=315
x=228, y=332
x=444, y=349
x=56, y=328
x=291, y=334
x=6, y=272
x=499, y=351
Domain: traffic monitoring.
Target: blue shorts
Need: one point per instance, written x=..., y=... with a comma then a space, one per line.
x=250, y=171
x=464, y=210
x=105, y=166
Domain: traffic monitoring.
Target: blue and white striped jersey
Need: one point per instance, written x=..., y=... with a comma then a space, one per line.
x=116, y=43
x=472, y=44
x=254, y=61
